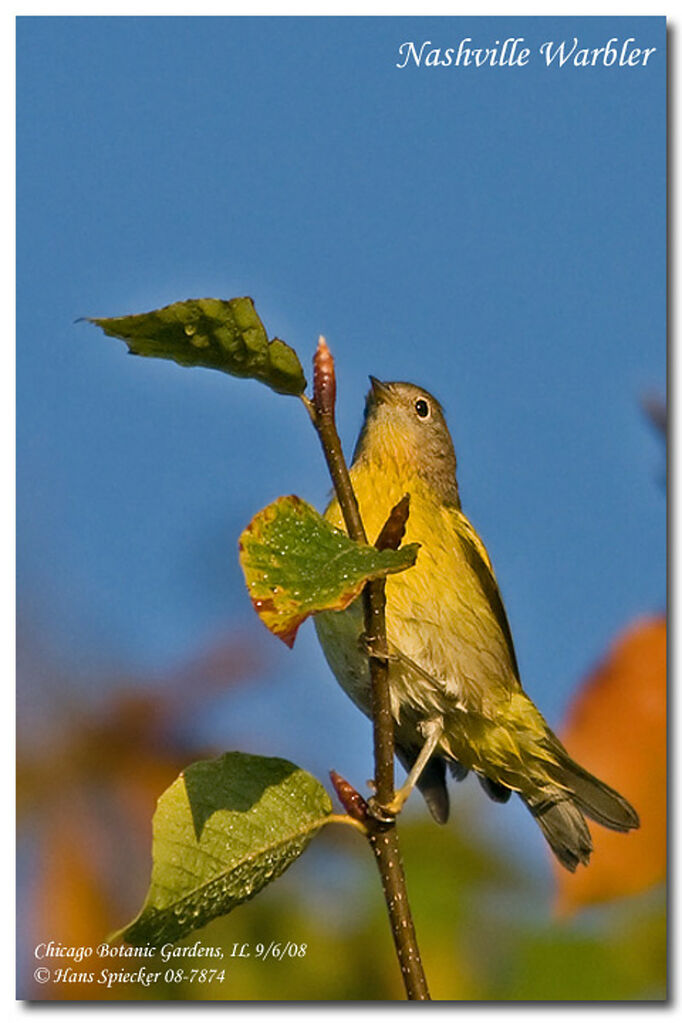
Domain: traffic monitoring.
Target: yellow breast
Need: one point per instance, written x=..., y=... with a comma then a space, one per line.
x=437, y=613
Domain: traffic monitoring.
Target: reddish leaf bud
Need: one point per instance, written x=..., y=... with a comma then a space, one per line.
x=324, y=379
x=351, y=800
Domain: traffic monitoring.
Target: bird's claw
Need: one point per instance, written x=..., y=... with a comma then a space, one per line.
x=368, y=646
x=382, y=814
x=386, y=813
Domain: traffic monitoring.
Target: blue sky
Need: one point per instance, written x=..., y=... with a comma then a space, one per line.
x=497, y=235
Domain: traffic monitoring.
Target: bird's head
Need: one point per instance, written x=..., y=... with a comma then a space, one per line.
x=404, y=430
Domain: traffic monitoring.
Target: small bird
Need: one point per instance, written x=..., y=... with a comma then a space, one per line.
x=456, y=695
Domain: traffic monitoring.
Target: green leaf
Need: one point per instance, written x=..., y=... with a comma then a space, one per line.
x=211, y=332
x=296, y=564
x=223, y=830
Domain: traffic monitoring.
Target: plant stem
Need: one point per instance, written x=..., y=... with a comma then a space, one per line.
x=384, y=843
x=374, y=602
x=382, y=835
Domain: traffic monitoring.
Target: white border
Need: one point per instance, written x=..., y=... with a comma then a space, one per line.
x=576, y=8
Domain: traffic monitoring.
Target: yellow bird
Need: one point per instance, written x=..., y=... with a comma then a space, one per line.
x=456, y=695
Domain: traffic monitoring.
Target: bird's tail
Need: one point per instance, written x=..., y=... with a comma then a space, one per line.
x=564, y=827
x=561, y=807
x=595, y=798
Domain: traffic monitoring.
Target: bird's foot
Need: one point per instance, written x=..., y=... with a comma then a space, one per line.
x=431, y=730
x=368, y=646
x=386, y=813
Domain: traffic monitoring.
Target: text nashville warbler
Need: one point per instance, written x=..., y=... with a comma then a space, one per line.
x=456, y=695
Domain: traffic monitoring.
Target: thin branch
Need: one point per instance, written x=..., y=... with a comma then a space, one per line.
x=322, y=412
x=382, y=834
x=374, y=601
x=386, y=851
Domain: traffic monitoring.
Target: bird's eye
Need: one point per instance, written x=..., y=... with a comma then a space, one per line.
x=421, y=407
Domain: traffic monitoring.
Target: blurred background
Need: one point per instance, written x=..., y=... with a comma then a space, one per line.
x=496, y=235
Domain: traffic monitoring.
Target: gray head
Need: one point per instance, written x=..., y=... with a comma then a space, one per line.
x=405, y=431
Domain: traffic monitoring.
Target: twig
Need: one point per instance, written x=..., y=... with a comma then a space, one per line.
x=382, y=834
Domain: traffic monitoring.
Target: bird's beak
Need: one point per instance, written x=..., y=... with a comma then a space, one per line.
x=380, y=390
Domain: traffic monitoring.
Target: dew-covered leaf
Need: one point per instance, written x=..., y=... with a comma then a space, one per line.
x=211, y=332
x=223, y=830
x=297, y=564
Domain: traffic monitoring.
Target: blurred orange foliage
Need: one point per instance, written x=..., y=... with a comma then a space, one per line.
x=87, y=786
x=617, y=729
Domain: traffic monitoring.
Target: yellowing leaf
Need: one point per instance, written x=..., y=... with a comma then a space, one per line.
x=211, y=332
x=617, y=730
x=296, y=564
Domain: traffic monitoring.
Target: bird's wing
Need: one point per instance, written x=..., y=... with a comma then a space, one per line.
x=478, y=560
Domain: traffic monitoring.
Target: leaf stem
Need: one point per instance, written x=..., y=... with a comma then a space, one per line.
x=344, y=818
x=382, y=834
